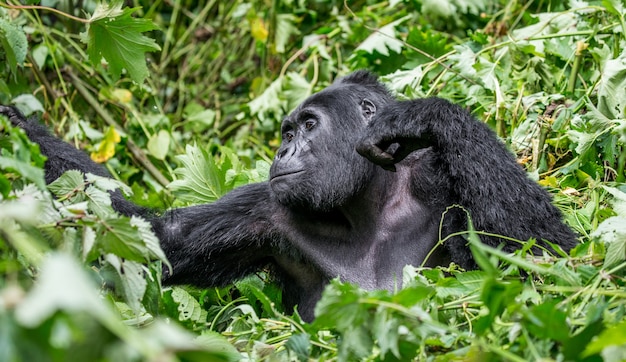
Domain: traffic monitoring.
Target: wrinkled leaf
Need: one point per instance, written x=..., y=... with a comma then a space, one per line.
x=69, y=183
x=286, y=26
x=199, y=180
x=130, y=282
x=14, y=43
x=188, y=307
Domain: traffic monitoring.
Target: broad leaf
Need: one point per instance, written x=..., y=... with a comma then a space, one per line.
x=159, y=144
x=63, y=285
x=66, y=185
x=199, y=177
x=117, y=236
x=113, y=34
x=383, y=40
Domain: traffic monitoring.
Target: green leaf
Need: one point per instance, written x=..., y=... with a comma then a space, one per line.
x=497, y=295
x=611, y=337
x=149, y=238
x=199, y=177
x=119, y=237
x=574, y=346
x=615, y=6
x=383, y=40
x=464, y=60
x=27, y=104
x=547, y=321
x=385, y=329
x=14, y=42
x=159, y=144
x=166, y=339
x=296, y=90
x=339, y=306
x=613, y=232
x=108, y=184
x=114, y=35
x=270, y=101
x=130, y=280
x=99, y=202
x=188, y=307
x=300, y=344
x=618, y=201
x=285, y=28
x=30, y=172
x=611, y=94
x=63, y=285
x=413, y=294
x=68, y=184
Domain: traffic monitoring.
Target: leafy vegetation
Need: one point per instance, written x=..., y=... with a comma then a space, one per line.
x=182, y=101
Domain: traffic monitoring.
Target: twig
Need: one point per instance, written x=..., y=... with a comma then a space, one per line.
x=45, y=8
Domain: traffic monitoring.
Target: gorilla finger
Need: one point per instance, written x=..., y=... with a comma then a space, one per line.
x=390, y=167
x=15, y=116
x=376, y=155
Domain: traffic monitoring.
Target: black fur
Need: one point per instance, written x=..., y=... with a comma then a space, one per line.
x=327, y=212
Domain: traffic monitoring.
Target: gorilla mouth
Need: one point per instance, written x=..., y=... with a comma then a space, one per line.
x=285, y=174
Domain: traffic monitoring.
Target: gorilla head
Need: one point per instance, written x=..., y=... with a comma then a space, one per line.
x=316, y=166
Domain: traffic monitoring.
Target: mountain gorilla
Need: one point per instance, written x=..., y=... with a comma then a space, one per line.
x=327, y=211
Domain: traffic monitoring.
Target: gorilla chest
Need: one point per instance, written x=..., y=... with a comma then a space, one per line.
x=368, y=248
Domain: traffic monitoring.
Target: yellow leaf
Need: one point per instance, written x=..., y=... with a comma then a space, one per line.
x=122, y=95
x=106, y=149
x=258, y=29
x=549, y=181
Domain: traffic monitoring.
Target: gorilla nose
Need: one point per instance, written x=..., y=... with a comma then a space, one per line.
x=286, y=152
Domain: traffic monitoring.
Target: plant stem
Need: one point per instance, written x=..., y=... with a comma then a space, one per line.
x=621, y=160
x=571, y=85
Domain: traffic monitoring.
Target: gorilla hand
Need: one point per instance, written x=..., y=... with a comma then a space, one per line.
x=395, y=132
x=15, y=117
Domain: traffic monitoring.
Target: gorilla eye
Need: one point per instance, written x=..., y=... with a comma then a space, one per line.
x=309, y=124
x=288, y=136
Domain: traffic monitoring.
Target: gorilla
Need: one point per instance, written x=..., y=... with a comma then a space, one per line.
x=361, y=186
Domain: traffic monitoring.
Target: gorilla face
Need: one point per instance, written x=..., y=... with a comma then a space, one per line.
x=317, y=167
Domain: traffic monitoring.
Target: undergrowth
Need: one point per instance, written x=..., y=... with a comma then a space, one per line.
x=185, y=94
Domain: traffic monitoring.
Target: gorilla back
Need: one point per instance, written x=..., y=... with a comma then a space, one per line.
x=329, y=212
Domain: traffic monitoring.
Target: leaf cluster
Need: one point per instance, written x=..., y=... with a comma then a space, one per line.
x=183, y=100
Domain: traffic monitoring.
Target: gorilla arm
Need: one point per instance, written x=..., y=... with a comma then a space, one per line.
x=464, y=164
x=207, y=245
x=64, y=157
x=215, y=244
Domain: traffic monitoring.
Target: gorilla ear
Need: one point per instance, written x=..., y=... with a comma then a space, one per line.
x=368, y=109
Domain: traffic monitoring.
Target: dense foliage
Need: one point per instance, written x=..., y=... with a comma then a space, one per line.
x=182, y=101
